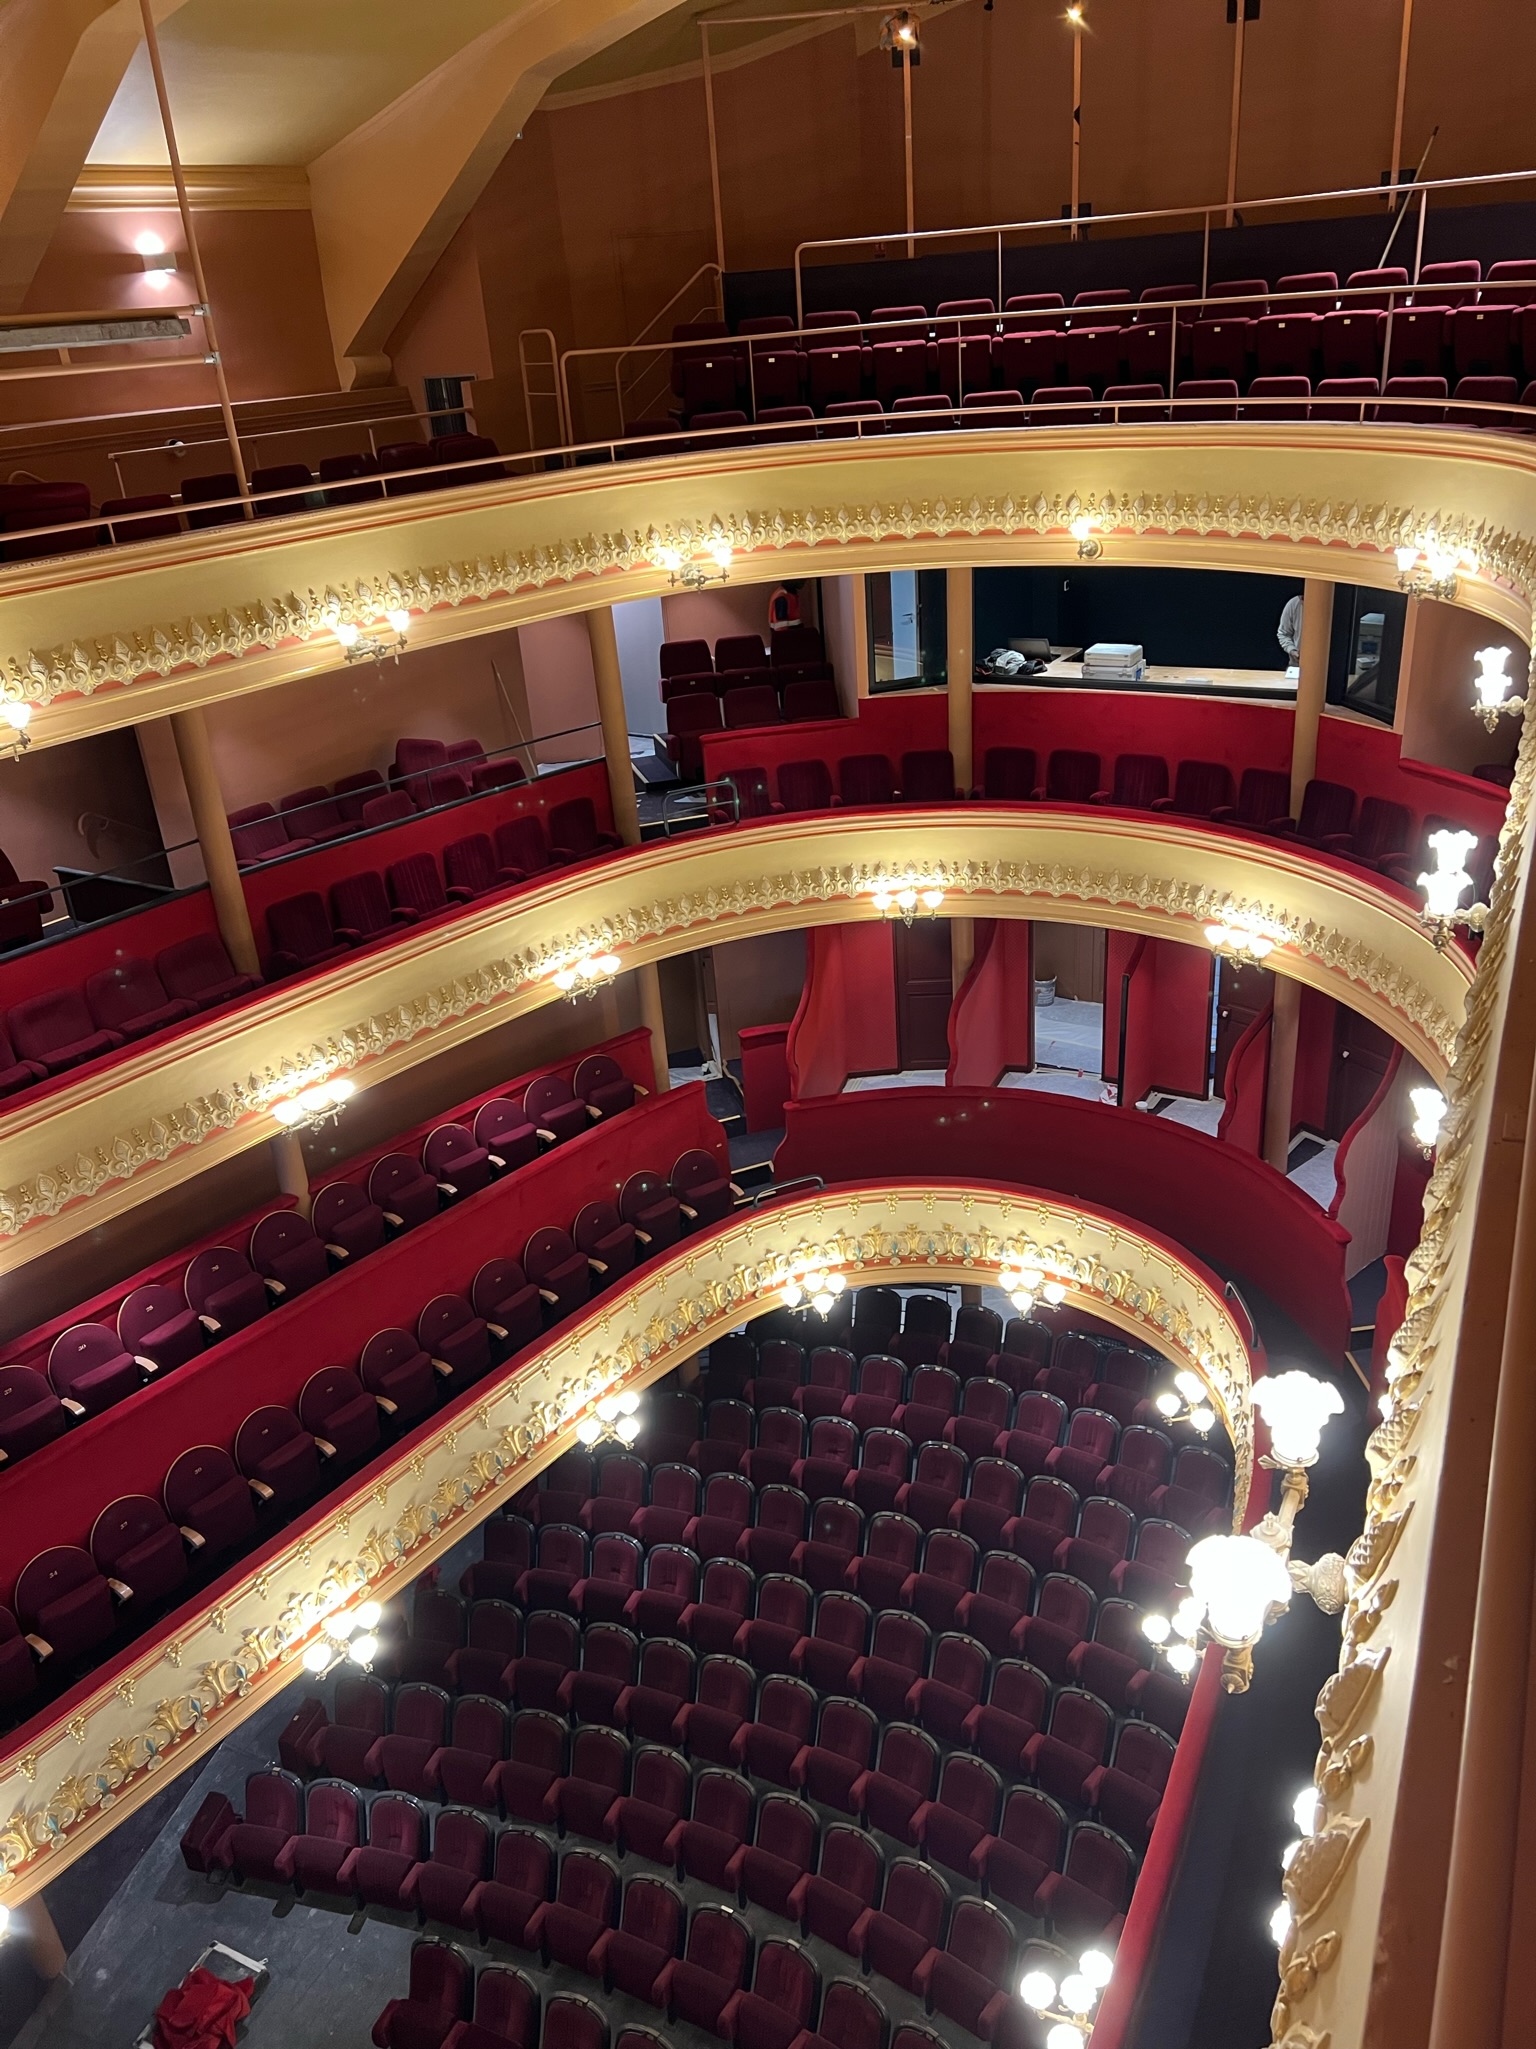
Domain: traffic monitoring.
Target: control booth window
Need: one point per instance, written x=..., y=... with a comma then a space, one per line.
x=908, y=629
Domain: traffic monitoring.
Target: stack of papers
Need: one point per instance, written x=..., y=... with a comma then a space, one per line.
x=1113, y=661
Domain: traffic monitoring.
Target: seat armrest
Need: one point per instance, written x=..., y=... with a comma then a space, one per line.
x=1222, y=814
x=348, y=935
x=735, y=1190
x=598, y=1266
x=274, y=1288
x=145, y=1365
x=497, y=1162
x=68, y=1402
x=498, y=1331
x=260, y=1489
x=337, y=1251
x=121, y=1589
x=402, y=914
x=391, y=1218
x=640, y=1091
x=325, y=1448
x=1161, y=804
x=390, y=1408
x=547, y=1136
x=1101, y=797
x=593, y=1111
x=456, y=893
x=1282, y=828
x=691, y=1214
x=40, y=1646
x=449, y=1188
x=643, y=1237
x=441, y=1366
x=548, y=1295
x=194, y=1539
x=1336, y=843
x=210, y=1324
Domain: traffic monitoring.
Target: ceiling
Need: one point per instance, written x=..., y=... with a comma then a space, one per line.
x=280, y=81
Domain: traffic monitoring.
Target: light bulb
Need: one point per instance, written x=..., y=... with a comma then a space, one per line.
x=399, y=618
x=793, y=1293
x=836, y=1283
x=362, y=1649
x=1054, y=1291
x=1077, y=1994
x=609, y=963
x=1038, y=1989
x=628, y=1428
x=1296, y=1406
x=1183, y=1657
x=720, y=553
x=347, y=632
x=1237, y=1581
x=906, y=899
x=5, y=1920
x=288, y=1113
x=370, y=1615
x=1288, y=1855
x=1202, y=1419
x=881, y=900
x=1167, y=1405
x=314, y=1100
x=670, y=559
x=589, y=1430
x=1490, y=682
x=629, y=1401
x=821, y=1303
x=1190, y=1385
x=1429, y=1108
x=18, y=716
x=932, y=898
x=317, y=1657
x=1405, y=557
x=149, y=244
x=1097, y=1966
x=1065, y=2036
x=1081, y=527
x=342, y=1088
x=1280, y=1923
x=1188, y=1616
x=564, y=978
x=1156, y=1628
x=1307, y=1810
x=608, y=1408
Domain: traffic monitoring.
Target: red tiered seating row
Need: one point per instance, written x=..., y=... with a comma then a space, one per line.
x=441, y=1304
x=741, y=685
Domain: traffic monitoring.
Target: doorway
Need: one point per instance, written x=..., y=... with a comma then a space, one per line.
x=923, y=993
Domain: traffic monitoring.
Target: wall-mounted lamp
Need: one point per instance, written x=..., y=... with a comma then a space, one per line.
x=901, y=35
x=695, y=570
x=1238, y=1584
x=1082, y=531
x=809, y=1281
x=349, y=1635
x=586, y=976
x=1190, y=1404
x=1444, y=885
x=367, y=643
x=1238, y=938
x=316, y=1106
x=1427, y=568
x=906, y=896
x=1429, y=1108
x=1492, y=686
x=14, y=737
x=1070, y=2004
x=159, y=263
x=613, y=1416
x=1026, y=1284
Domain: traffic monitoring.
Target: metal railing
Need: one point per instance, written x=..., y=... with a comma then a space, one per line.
x=1057, y=225
x=543, y=366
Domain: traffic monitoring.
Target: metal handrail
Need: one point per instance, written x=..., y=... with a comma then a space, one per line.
x=776, y=1190
x=639, y=343
x=1056, y=224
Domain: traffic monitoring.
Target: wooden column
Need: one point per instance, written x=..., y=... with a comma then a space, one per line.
x=1283, y=1031
x=626, y=810
x=195, y=752
x=1312, y=684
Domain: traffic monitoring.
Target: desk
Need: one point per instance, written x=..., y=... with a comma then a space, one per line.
x=1186, y=681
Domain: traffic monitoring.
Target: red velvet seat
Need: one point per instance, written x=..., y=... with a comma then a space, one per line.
x=888, y=1797
x=441, y=1989
x=399, y=1374
x=1049, y=1515
x=557, y=1270
x=286, y=1252
x=712, y=1622
x=804, y=786
x=784, y=1993
x=851, y=2018
x=206, y=1496
x=717, y=1531
x=568, y=1926
x=422, y=1650
x=376, y=1872
x=506, y=2013
x=502, y=1906
x=971, y=1979
x=898, y=1656
x=277, y=1455
x=631, y=1957
x=1126, y=1794
x=1080, y=1901
x=130, y=999
x=893, y=1940
x=334, y=1826
x=663, y=1683
x=1061, y=1756
x=707, y=1726
x=223, y=1291
x=881, y=1385
x=961, y=1815
x=455, y=1161
x=521, y=1784
x=642, y=1820
x=460, y=1769
x=728, y=1431
x=349, y=1224
x=780, y=1447
x=403, y=1189
x=18, y=1662
x=1088, y=1450
x=138, y=1549
x=494, y=1637
x=453, y=1337
x=574, y=834
x=999, y=1728
x=697, y=1986
x=55, y=1031
x=252, y=1844
x=937, y=1483
x=888, y=1561
x=87, y=1365
x=768, y=1746
x=1156, y=1567
x=1063, y=1618
x=418, y=1731
x=981, y=1418
x=943, y=1700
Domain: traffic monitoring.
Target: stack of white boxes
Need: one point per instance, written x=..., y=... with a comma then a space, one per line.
x=1113, y=661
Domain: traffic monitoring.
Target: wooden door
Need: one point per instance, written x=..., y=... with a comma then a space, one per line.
x=923, y=992
x=1244, y=992
x=1361, y=1051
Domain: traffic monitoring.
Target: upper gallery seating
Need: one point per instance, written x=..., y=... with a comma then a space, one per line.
x=783, y=1723
x=470, y=1258
x=741, y=684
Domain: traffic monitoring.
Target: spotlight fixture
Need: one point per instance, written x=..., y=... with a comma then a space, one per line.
x=613, y=1416
x=1492, y=687
x=314, y=1107
x=159, y=263
x=1069, y=2004
x=1191, y=1404
x=1427, y=568
x=1429, y=1108
x=1238, y=1584
x=1238, y=938
x=900, y=34
x=350, y=1635
x=1082, y=528
x=584, y=977
x=14, y=737
x=1444, y=884
x=695, y=570
x=369, y=643
x=1026, y=1284
x=1076, y=17
x=906, y=896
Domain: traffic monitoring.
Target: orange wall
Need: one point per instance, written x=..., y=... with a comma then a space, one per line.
x=44, y=795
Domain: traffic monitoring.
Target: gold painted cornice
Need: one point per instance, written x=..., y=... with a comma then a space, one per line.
x=113, y=636
x=85, y=1770
x=89, y=1150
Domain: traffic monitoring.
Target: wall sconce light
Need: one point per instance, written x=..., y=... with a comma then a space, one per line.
x=1238, y=1584
x=367, y=643
x=1082, y=528
x=1443, y=886
x=1025, y=1285
x=586, y=976
x=159, y=263
x=14, y=737
x=1492, y=686
x=1429, y=1108
x=1238, y=938
x=1190, y=1404
x=901, y=35
x=1426, y=568
x=316, y=1106
x=1076, y=17
x=1071, y=2003
x=704, y=566
x=906, y=896
x=348, y=1635
x=809, y=1282
x=614, y=1416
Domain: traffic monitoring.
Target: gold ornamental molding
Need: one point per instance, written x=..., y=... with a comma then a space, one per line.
x=121, y=634
x=64, y=1782
x=93, y=1148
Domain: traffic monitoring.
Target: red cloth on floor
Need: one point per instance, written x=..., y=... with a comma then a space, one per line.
x=202, y=2012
